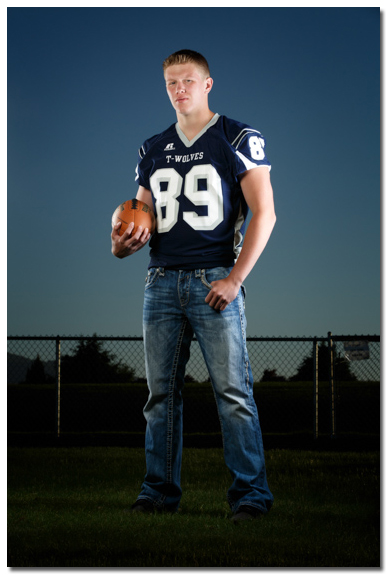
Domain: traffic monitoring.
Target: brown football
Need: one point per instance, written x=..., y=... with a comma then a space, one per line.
x=134, y=211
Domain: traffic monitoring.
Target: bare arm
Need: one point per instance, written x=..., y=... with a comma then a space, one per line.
x=257, y=189
x=124, y=246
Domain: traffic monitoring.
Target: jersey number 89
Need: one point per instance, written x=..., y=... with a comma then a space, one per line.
x=172, y=183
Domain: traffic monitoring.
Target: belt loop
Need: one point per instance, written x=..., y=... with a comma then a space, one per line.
x=161, y=271
x=198, y=273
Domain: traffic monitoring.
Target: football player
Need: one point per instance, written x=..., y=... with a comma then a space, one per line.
x=201, y=176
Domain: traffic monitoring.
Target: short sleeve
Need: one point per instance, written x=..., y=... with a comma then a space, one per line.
x=250, y=150
x=141, y=177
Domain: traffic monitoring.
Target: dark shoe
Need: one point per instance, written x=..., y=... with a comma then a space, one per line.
x=245, y=513
x=143, y=506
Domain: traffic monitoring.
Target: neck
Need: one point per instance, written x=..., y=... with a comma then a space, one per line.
x=192, y=124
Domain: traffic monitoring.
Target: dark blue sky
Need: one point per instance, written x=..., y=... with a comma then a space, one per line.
x=86, y=88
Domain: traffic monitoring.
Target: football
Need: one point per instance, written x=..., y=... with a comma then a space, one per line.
x=134, y=211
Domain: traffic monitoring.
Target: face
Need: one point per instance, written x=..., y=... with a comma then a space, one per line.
x=187, y=88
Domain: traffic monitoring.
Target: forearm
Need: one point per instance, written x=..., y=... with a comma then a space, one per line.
x=257, y=190
x=256, y=238
x=257, y=235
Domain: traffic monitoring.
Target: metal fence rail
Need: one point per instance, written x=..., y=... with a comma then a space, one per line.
x=96, y=385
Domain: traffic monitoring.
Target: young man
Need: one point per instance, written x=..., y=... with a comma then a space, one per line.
x=200, y=175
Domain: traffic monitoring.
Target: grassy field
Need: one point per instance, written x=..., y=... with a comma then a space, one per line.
x=67, y=507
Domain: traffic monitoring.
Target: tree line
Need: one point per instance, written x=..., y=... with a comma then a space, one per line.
x=305, y=369
x=91, y=363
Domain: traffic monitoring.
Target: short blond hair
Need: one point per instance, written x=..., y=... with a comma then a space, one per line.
x=186, y=56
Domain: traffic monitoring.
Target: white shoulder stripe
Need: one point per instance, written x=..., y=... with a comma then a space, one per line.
x=250, y=165
x=242, y=135
x=247, y=163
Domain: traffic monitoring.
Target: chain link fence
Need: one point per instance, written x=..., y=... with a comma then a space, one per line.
x=95, y=387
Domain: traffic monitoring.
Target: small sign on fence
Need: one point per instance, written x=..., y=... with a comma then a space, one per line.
x=356, y=350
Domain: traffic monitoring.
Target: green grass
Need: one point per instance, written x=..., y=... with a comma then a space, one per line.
x=67, y=508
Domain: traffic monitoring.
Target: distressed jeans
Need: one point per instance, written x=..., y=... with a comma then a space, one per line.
x=174, y=311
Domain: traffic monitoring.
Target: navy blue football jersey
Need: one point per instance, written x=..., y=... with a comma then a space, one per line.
x=199, y=206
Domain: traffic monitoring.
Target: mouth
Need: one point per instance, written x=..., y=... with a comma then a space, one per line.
x=180, y=100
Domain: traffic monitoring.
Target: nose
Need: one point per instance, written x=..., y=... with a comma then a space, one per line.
x=180, y=87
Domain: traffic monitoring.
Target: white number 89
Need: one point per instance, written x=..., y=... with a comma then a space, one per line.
x=256, y=145
x=167, y=205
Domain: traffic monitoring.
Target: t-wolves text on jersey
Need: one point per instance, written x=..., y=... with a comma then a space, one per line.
x=199, y=206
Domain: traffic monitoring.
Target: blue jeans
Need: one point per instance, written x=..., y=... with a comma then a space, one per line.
x=175, y=310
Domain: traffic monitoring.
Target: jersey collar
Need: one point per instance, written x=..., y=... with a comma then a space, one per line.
x=188, y=142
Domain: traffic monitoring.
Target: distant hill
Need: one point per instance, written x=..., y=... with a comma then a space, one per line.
x=18, y=365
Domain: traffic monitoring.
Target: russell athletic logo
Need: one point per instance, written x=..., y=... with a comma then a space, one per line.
x=169, y=147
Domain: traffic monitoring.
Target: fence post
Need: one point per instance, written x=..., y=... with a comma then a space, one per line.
x=332, y=387
x=316, y=383
x=58, y=370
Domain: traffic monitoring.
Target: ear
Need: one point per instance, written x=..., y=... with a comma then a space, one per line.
x=208, y=85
